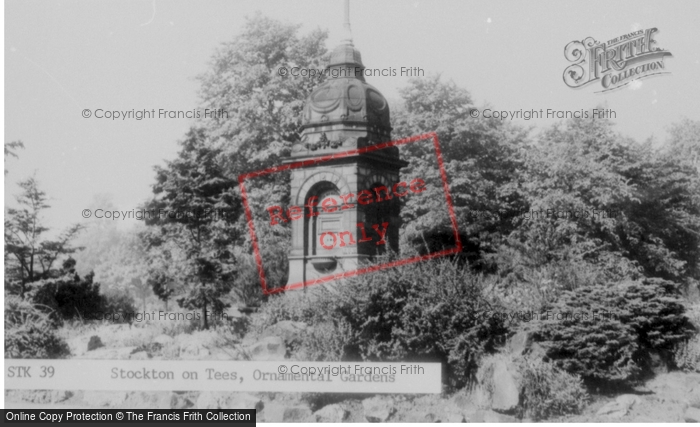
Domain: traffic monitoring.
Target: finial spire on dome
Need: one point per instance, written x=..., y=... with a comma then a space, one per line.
x=346, y=24
x=345, y=55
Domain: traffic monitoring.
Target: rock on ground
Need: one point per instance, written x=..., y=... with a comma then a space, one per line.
x=228, y=353
x=506, y=387
x=451, y=417
x=523, y=343
x=620, y=407
x=60, y=395
x=378, y=409
x=331, y=414
x=38, y=396
x=629, y=400
x=227, y=400
x=94, y=343
x=694, y=396
x=520, y=343
x=193, y=351
x=78, y=345
x=140, y=355
x=281, y=413
x=247, y=401
x=614, y=410
x=109, y=399
x=488, y=416
x=290, y=331
x=121, y=353
x=268, y=348
x=163, y=340
x=181, y=400
x=148, y=399
x=692, y=415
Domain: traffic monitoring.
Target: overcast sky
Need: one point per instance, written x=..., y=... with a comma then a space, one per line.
x=62, y=57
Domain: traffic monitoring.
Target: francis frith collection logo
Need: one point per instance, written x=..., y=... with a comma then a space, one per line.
x=615, y=63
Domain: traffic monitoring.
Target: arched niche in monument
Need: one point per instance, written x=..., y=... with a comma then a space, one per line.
x=321, y=226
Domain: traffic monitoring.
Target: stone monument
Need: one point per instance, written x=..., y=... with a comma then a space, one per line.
x=340, y=231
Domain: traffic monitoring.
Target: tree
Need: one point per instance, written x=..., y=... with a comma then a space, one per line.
x=29, y=258
x=264, y=115
x=98, y=239
x=10, y=148
x=680, y=188
x=684, y=143
x=195, y=205
x=261, y=122
x=482, y=158
x=576, y=183
x=602, y=208
x=263, y=107
x=160, y=284
x=124, y=268
x=166, y=265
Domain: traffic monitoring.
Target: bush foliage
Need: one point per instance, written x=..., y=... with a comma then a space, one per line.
x=549, y=391
x=398, y=315
x=30, y=332
x=607, y=333
x=67, y=296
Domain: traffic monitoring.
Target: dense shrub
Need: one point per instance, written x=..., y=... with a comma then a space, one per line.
x=431, y=312
x=30, y=332
x=325, y=341
x=525, y=285
x=607, y=333
x=583, y=337
x=549, y=391
x=69, y=296
x=653, y=309
x=330, y=338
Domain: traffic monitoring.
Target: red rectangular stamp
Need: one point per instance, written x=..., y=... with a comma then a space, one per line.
x=344, y=213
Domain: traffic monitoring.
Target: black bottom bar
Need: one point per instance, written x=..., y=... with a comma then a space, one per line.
x=240, y=417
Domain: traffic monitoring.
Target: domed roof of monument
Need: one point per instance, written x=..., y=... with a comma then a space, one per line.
x=345, y=96
x=345, y=54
